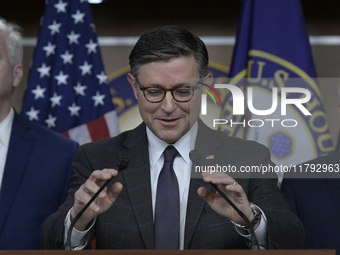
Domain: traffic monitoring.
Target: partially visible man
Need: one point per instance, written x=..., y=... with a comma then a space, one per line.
x=154, y=203
x=35, y=163
x=317, y=202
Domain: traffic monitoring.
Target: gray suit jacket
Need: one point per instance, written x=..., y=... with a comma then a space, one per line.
x=128, y=224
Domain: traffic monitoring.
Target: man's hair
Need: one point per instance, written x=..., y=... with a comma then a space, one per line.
x=13, y=38
x=166, y=43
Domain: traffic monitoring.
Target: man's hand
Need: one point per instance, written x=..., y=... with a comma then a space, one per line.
x=103, y=202
x=232, y=190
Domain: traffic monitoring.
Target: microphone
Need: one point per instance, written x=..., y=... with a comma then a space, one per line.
x=195, y=157
x=122, y=164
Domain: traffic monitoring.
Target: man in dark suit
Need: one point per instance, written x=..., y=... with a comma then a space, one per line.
x=35, y=163
x=166, y=64
x=317, y=203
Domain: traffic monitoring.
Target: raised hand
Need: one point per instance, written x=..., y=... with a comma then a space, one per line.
x=103, y=202
x=232, y=190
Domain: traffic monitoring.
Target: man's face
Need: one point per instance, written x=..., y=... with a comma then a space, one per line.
x=169, y=120
x=10, y=76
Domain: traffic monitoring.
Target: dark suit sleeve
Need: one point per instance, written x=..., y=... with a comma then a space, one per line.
x=52, y=236
x=284, y=229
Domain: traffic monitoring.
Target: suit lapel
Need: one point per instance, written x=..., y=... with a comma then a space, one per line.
x=206, y=146
x=137, y=181
x=19, y=150
x=194, y=210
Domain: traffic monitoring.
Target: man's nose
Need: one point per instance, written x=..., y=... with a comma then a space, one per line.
x=168, y=103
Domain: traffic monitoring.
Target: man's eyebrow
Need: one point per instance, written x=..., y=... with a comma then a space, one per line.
x=156, y=85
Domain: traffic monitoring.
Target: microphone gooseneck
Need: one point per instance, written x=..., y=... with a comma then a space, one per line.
x=122, y=164
x=195, y=157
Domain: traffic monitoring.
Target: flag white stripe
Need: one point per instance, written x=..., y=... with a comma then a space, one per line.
x=112, y=123
x=80, y=134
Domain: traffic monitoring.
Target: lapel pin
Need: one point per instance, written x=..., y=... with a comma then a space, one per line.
x=210, y=157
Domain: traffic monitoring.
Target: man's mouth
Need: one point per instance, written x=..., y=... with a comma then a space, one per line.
x=166, y=121
x=169, y=120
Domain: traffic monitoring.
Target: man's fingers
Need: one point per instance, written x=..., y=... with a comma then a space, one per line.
x=234, y=187
x=97, y=179
x=223, y=180
x=206, y=195
x=115, y=189
x=90, y=187
x=215, y=175
x=82, y=197
x=103, y=175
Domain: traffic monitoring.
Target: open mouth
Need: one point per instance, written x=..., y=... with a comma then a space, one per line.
x=171, y=121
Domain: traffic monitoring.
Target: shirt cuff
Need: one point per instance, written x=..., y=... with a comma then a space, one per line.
x=260, y=232
x=79, y=239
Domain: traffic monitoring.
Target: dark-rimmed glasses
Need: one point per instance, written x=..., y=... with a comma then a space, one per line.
x=156, y=94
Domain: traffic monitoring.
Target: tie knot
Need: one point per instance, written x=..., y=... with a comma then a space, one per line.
x=170, y=153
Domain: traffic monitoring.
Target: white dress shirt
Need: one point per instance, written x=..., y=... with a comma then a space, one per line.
x=5, y=134
x=182, y=168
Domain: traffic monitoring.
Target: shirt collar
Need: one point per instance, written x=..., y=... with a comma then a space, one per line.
x=6, y=128
x=183, y=145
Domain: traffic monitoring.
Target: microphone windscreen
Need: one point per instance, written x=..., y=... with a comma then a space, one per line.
x=122, y=164
x=195, y=157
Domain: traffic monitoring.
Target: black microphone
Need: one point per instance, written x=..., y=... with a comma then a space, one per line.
x=122, y=164
x=195, y=157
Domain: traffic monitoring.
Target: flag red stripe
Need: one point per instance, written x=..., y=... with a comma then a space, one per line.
x=98, y=129
x=66, y=134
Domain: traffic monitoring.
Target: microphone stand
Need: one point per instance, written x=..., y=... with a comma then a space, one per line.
x=122, y=164
x=195, y=158
x=254, y=242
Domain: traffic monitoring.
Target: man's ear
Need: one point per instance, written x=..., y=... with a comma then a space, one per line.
x=17, y=75
x=133, y=82
x=208, y=79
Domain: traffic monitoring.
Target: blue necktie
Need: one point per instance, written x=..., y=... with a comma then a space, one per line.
x=167, y=205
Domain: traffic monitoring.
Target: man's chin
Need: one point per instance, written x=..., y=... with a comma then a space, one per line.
x=169, y=138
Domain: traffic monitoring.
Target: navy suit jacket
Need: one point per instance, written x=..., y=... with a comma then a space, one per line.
x=35, y=182
x=128, y=223
x=317, y=203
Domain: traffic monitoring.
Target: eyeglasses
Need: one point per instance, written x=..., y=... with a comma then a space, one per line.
x=181, y=94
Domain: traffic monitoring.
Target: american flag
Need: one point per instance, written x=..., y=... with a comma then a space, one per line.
x=67, y=87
